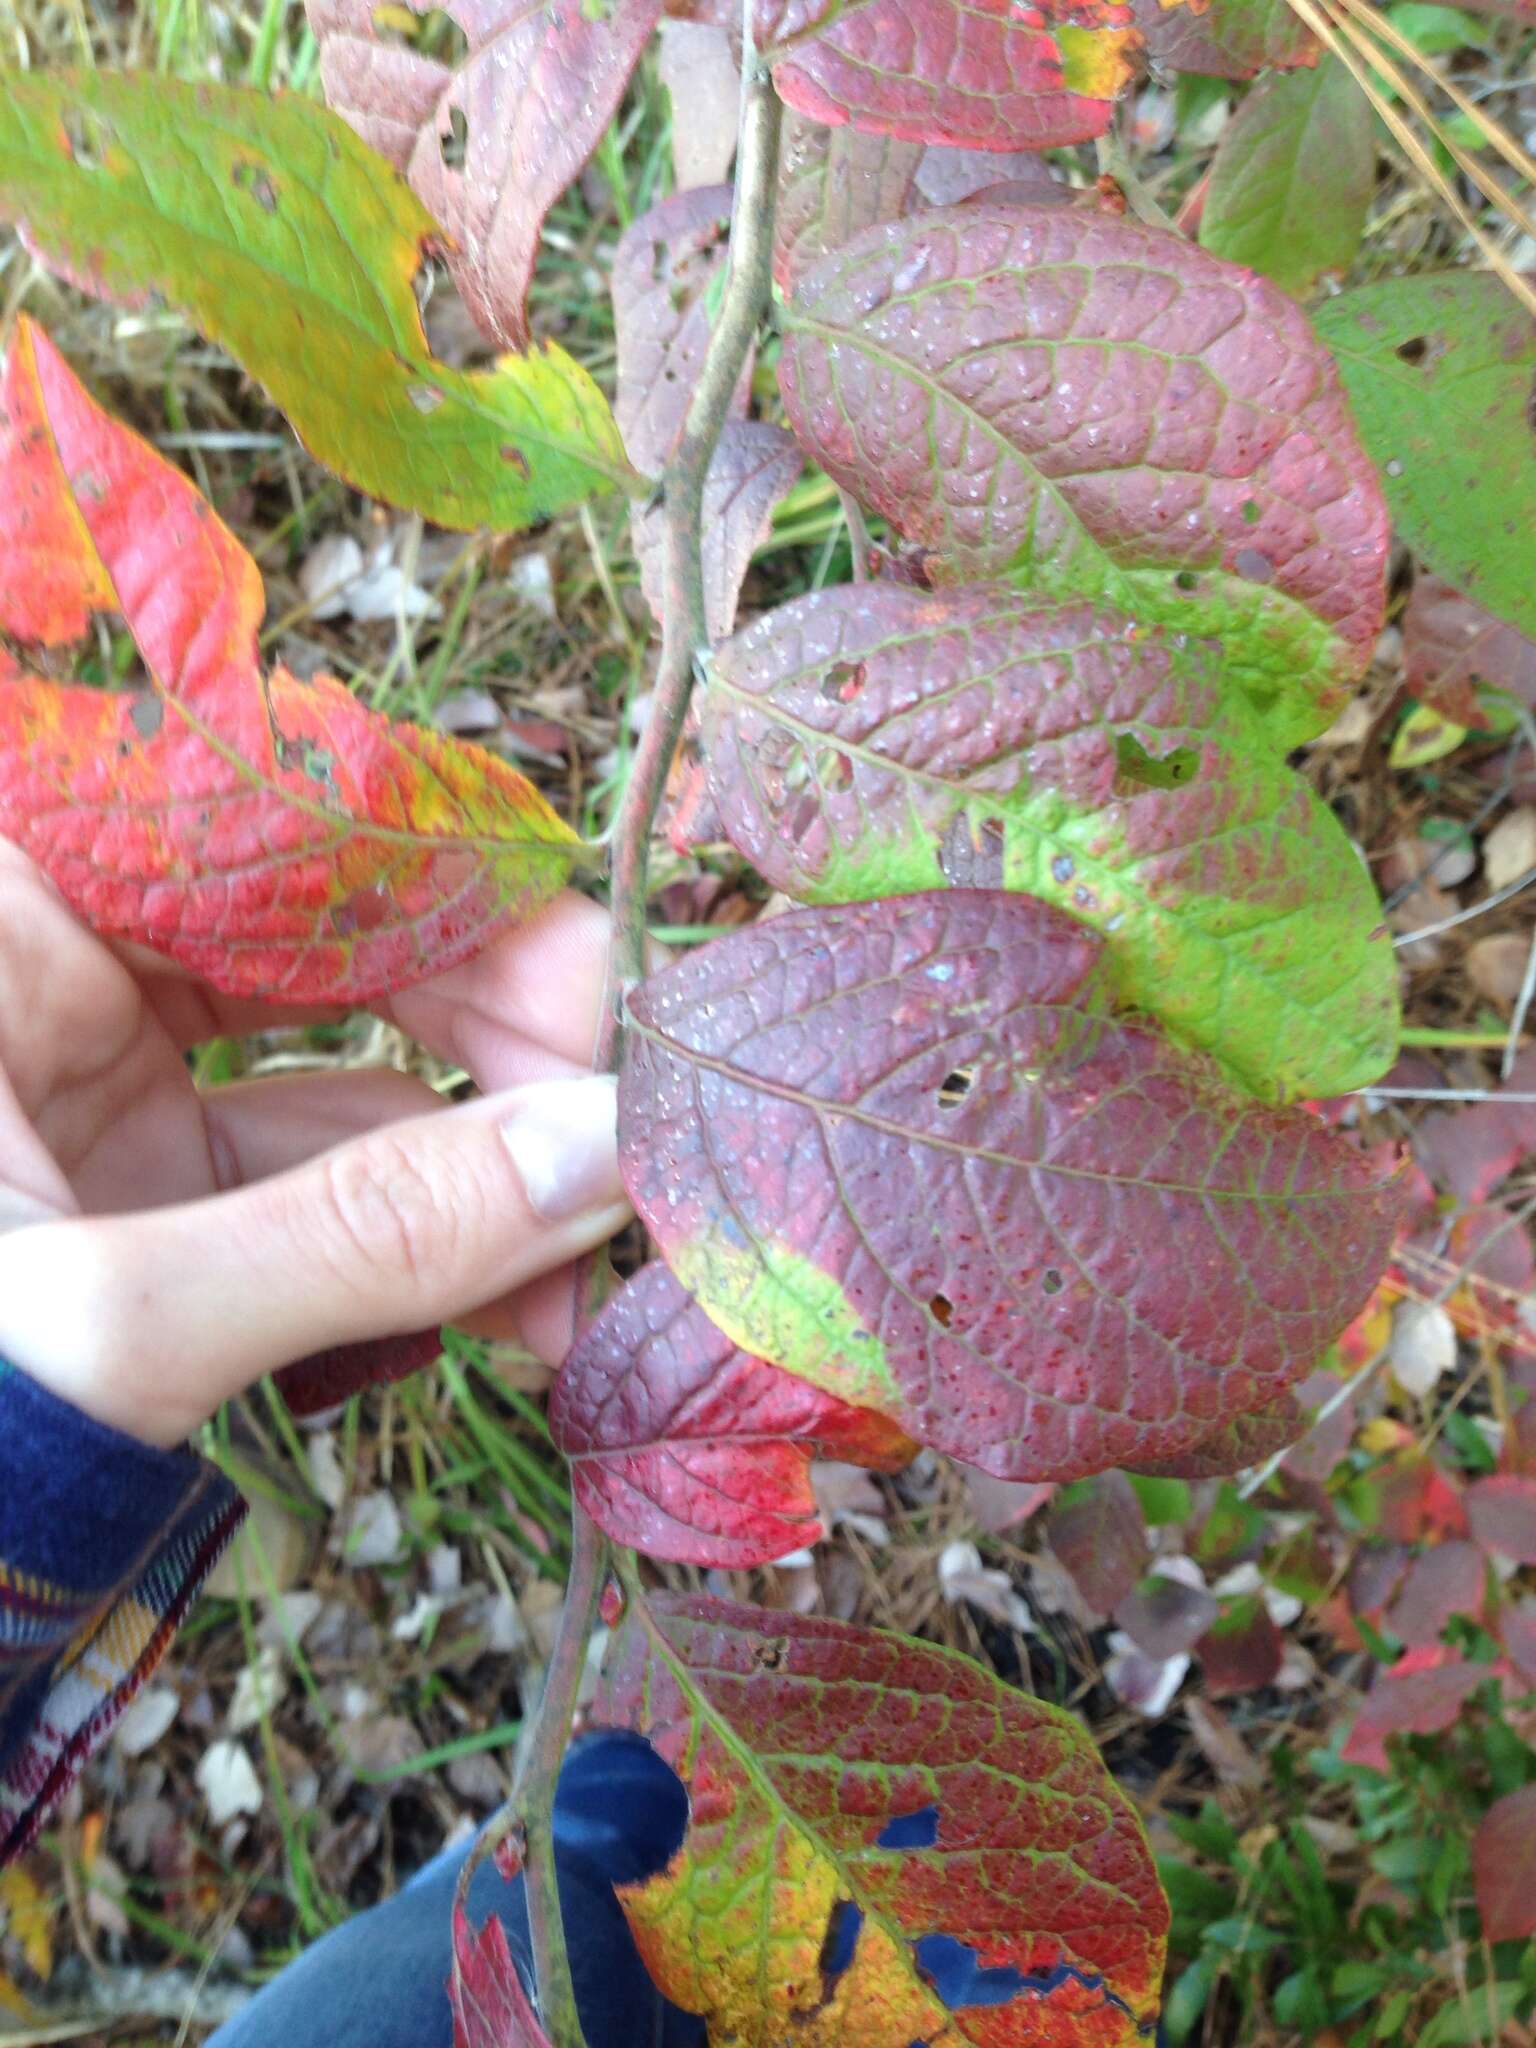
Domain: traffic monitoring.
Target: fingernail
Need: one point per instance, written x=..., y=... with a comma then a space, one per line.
x=563, y=1137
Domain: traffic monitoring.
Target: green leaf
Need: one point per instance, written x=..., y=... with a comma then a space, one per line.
x=294, y=246
x=1293, y=176
x=1439, y=371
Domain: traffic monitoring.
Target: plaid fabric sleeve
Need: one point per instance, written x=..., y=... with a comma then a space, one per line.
x=103, y=1545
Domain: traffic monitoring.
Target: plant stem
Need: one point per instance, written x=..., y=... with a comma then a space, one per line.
x=534, y=1796
x=684, y=633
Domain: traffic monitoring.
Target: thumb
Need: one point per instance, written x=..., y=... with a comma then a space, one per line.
x=149, y=1321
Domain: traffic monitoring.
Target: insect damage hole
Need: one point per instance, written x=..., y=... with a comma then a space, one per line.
x=955, y=1087
x=1052, y=1281
x=770, y=1655
x=86, y=136
x=942, y=1309
x=455, y=144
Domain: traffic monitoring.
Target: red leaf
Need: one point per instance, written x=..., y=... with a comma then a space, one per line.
x=1504, y=1866
x=1415, y=1700
x=1320, y=1444
x=490, y=147
x=1243, y=1651
x=905, y=1149
x=834, y=182
x=327, y=1378
x=1502, y=1513
x=1245, y=1441
x=1224, y=38
x=490, y=2007
x=1415, y=1499
x=863, y=1809
x=1451, y=644
x=1165, y=1618
x=685, y=1447
x=1092, y=407
x=981, y=72
x=1472, y=1149
x=273, y=837
x=1100, y=1535
x=1445, y=1581
x=663, y=271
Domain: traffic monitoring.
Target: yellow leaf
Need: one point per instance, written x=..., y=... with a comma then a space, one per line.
x=31, y=1920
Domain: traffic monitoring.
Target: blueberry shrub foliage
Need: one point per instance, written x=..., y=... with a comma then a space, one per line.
x=996, y=1139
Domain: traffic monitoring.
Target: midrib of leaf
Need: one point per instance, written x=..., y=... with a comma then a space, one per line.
x=755, y=1771
x=1014, y=1162
x=155, y=218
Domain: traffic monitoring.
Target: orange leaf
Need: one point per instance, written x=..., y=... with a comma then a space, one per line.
x=271, y=836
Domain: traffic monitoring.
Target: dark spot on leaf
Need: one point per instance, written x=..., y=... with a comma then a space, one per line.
x=843, y=681
x=1254, y=565
x=147, y=715
x=425, y=397
x=455, y=144
x=959, y=1979
x=516, y=457
x=919, y=1830
x=1154, y=771
x=770, y=1655
x=257, y=181
x=1051, y=1280
x=971, y=854
x=86, y=136
x=1186, y=579
x=955, y=1087
x=89, y=483
x=1414, y=350
x=844, y=1924
x=942, y=1309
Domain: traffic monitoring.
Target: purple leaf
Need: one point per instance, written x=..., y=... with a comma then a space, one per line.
x=753, y=467
x=1451, y=644
x=1099, y=1534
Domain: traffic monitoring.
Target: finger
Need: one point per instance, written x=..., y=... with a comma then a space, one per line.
x=258, y=1128
x=150, y=1321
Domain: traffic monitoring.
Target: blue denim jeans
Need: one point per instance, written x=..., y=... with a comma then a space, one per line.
x=381, y=1980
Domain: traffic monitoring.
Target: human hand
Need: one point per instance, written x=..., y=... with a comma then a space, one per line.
x=160, y=1249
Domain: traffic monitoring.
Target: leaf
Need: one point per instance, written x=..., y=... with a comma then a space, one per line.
x=1440, y=1584
x=1096, y=409
x=1471, y=1150
x=985, y=73
x=906, y=1150
x=490, y=2007
x=1224, y=38
x=703, y=86
x=1165, y=1617
x=754, y=466
x=1245, y=1441
x=1293, y=176
x=272, y=836
x=1416, y=1701
x=686, y=1448
x=1439, y=372
x=1450, y=645
x=834, y=182
x=1504, y=1866
x=664, y=271
x=875, y=1821
x=876, y=740
x=1097, y=1531
x=1243, y=1649
x=1501, y=1510
x=287, y=242
x=490, y=146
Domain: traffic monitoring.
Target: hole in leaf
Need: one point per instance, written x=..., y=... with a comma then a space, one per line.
x=834, y=770
x=1186, y=579
x=87, y=137
x=147, y=715
x=843, y=681
x=971, y=856
x=425, y=397
x=1414, y=350
x=844, y=1924
x=1051, y=1280
x=1254, y=565
x=455, y=144
x=958, y=1978
x=431, y=32
x=770, y=1655
x=1252, y=513
x=257, y=181
x=515, y=456
x=941, y=1308
x=622, y=1802
x=1063, y=867
x=955, y=1087
x=1154, y=771
x=919, y=1830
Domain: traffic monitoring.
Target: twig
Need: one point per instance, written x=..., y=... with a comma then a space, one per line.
x=533, y=1798
x=1522, y=1009
x=1445, y=924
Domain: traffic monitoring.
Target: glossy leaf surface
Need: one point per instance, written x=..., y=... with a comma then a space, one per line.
x=490, y=146
x=1293, y=176
x=876, y=740
x=906, y=1150
x=887, y=1844
x=1224, y=38
x=666, y=271
x=272, y=836
x=293, y=246
x=1439, y=371
x=687, y=1448
x=986, y=73
x=833, y=183
x=1095, y=408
